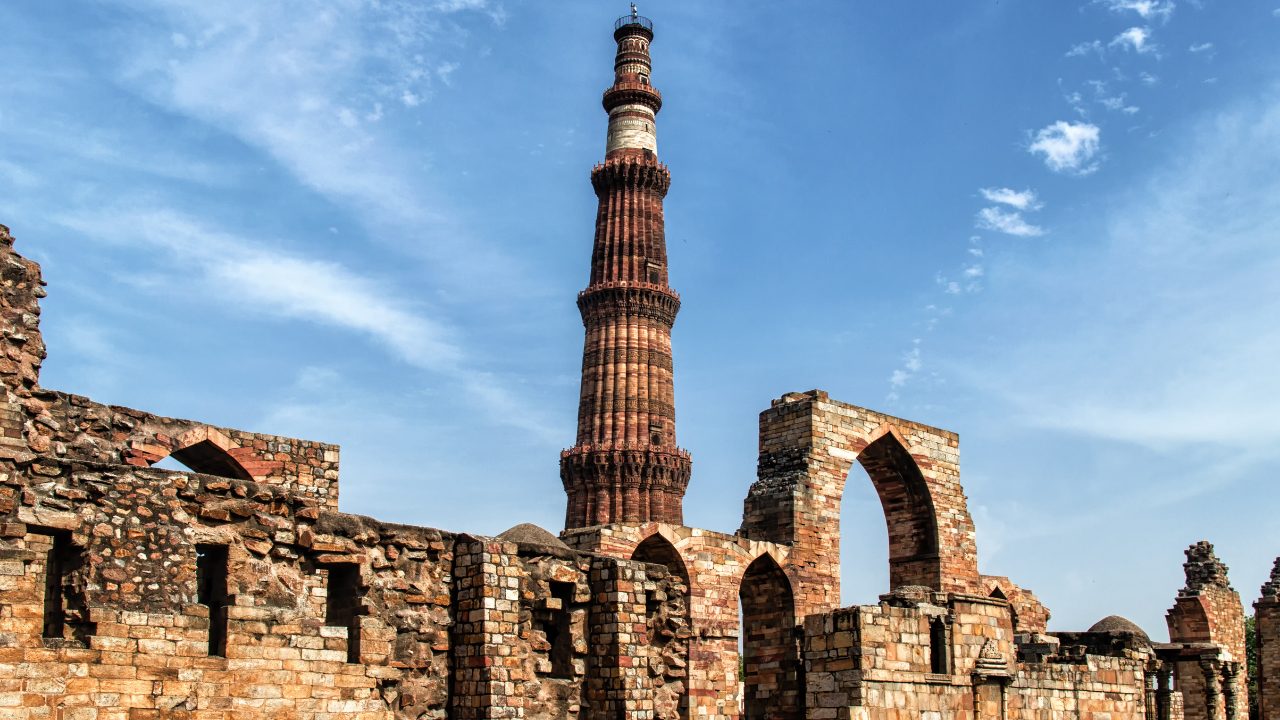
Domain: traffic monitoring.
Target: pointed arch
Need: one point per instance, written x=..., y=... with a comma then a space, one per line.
x=658, y=550
x=202, y=449
x=665, y=614
x=774, y=686
x=909, y=513
x=206, y=457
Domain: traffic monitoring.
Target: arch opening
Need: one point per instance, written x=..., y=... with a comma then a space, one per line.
x=773, y=674
x=909, y=514
x=667, y=620
x=863, y=541
x=206, y=457
x=659, y=551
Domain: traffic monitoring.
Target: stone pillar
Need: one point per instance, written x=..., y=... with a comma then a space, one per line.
x=1149, y=689
x=1230, y=689
x=487, y=586
x=1210, y=669
x=1164, y=692
x=618, y=682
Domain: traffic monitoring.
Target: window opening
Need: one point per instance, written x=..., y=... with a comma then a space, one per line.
x=938, y=647
x=53, y=615
x=655, y=433
x=344, y=606
x=66, y=617
x=211, y=591
x=655, y=270
x=556, y=627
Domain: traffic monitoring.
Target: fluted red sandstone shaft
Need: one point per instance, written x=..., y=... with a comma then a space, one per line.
x=625, y=466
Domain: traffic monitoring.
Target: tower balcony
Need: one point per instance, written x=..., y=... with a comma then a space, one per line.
x=632, y=93
x=626, y=20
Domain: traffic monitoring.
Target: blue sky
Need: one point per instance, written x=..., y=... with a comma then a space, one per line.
x=1050, y=227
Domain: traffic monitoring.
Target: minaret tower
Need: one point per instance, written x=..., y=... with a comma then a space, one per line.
x=625, y=466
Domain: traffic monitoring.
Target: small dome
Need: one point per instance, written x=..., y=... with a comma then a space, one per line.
x=530, y=534
x=1117, y=624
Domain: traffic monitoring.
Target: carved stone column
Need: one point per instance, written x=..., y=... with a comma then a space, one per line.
x=1211, y=668
x=1230, y=694
x=1164, y=692
x=1149, y=689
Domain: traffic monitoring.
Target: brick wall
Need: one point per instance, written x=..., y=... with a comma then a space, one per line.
x=876, y=663
x=1266, y=614
x=808, y=443
x=1207, y=611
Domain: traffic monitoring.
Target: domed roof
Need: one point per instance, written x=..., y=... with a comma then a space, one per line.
x=530, y=534
x=1117, y=624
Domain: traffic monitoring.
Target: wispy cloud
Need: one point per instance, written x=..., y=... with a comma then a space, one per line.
x=1068, y=147
x=309, y=85
x=1146, y=8
x=1010, y=223
x=1024, y=200
x=1087, y=47
x=1135, y=39
x=911, y=364
x=242, y=271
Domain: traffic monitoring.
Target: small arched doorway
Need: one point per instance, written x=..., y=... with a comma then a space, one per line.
x=773, y=674
x=667, y=616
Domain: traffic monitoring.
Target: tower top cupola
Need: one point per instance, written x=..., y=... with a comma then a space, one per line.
x=632, y=102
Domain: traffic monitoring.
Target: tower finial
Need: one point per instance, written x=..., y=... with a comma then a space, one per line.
x=634, y=12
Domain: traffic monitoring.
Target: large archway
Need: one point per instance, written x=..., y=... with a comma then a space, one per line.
x=773, y=674
x=909, y=514
x=864, y=542
x=667, y=619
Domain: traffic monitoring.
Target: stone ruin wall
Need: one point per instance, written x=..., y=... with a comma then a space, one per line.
x=876, y=663
x=320, y=613
x=441, y=626
x=101, y=581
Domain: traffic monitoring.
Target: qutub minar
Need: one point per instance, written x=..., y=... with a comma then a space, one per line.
x=625, y=466
x=239, y=591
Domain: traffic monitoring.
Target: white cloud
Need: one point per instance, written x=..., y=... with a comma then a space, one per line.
x=1068, y=147
x=1148, y=78
x=241, y=271
x=973, y=272
x=1145, y=8
x=292, y=77
x=1136, y=39
x=912, y=360
x=898, y=378
x=1114, y=103
x=1024, y=200
x=993, y=218
x=1087, y=47
x=1184, y=277
x=1201, y=48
